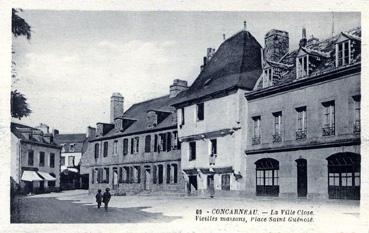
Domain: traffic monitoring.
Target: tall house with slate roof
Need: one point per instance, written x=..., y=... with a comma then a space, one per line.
x=35, y=159
x=303, y=121
x=211, y=118
x=139, y=150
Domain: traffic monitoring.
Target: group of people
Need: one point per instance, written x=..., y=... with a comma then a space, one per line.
x=103, y=198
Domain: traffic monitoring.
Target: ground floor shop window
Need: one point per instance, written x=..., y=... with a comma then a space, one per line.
x=267, y=177
x=226, y=181
x=344, y=176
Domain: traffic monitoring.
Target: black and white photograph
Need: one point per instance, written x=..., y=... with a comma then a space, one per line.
x=186, y=120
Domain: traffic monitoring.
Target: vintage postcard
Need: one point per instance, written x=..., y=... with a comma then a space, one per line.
x=180, y=118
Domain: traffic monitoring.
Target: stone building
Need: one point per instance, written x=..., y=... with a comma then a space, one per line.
x=211, y=118
x=72, y=146
x=303, y=119
x=35, y=159
x=138, y=150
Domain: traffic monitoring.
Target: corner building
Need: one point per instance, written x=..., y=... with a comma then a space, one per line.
x=138, y=151
x=303, y=120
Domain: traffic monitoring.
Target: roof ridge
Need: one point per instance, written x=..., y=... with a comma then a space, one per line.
x=145, y=101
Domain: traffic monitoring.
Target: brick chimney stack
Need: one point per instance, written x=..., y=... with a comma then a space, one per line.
x=303, y=40
x=177, y=87
x=116, y=106
x=276, y=45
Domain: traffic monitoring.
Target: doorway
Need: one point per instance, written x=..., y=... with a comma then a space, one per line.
x=210, y=185
x=301, y=177
x=147, y=179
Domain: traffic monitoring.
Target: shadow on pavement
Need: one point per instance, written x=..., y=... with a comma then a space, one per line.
x=52, y=210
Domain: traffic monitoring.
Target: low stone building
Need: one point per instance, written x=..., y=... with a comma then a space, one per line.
x=303, y=137
x=35, y=160
x=72, y=148
x=139, y=149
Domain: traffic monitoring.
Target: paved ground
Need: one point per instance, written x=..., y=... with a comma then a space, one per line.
x=79, y=207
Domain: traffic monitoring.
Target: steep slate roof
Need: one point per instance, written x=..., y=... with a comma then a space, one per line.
x=236, y=64
x=17, y=128
x=69, y=138
x=324, y=49
x=139, y=111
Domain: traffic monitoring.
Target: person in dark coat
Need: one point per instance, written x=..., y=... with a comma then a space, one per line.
x=98, y=198
x=106, y=198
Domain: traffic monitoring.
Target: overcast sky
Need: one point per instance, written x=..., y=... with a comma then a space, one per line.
x=75, y=60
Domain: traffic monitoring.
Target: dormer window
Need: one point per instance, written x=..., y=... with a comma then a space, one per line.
x=151, y=119
x=268, y=77
x=302, y=66
x=343, y=53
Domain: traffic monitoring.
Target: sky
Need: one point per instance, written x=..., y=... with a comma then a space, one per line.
x=75, y=60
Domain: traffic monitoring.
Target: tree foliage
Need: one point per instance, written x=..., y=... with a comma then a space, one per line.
x=18, y=102
x=19, y=26
x=19, y=106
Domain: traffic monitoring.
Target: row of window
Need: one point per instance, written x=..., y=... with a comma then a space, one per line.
x=328, y=128
x=41, y=159
x=71, y=161
x=132, y=174
x=343, y=176
x=160, y=142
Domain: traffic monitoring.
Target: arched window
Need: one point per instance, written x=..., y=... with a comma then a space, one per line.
x=267, y=177
x=344, y=176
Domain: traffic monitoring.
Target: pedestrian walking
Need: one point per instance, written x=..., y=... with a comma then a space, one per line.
x=98, y=198
x=106, y=198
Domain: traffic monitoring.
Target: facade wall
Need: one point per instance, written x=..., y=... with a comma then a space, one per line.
x=140, y=158
x=14, y=168
x=341, y=90
x=77, y=159
x=219, y=113
x=25, y=148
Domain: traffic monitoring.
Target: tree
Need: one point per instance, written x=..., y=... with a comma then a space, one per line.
x=19, y=26
x=19, y=106
x=18, y=102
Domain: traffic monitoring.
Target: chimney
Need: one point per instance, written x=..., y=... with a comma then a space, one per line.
x=303, y=40
x=116, y=106
x=91, y=132
x=177, y=87
x=276, y=45
x=209, y=54
x=312, y=40
x=55, y=132
x=43, y=127
x=244, y=26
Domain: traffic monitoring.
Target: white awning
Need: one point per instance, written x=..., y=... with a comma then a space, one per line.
x=47, y=176
x=31, y=176
x=70, y=169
